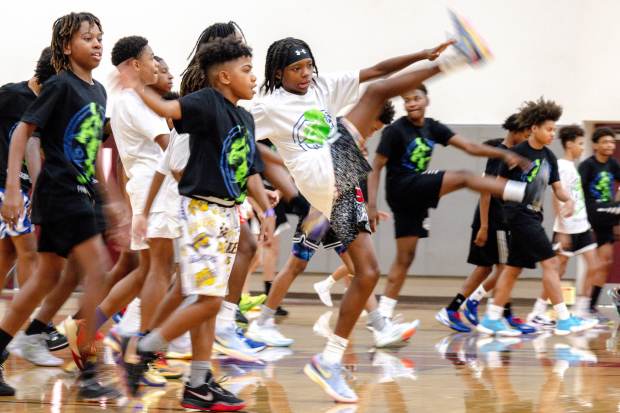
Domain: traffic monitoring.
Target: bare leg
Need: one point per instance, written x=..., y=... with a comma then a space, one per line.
x=157, y=280
x=491, y=281
x=7, y=258
x=270, y=259
x=505, y=284
x=281, y=284
x=405, y=253
x=172, y=300
x=245, y=253
x=455, y=180
x=476, y=278
x=188, y=317
x=26, y=247
x=62, y=291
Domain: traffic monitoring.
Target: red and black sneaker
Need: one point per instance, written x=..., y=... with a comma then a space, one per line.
x=210, y=396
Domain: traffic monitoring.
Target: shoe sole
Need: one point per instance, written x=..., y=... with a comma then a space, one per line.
x=267, y=342
x=315, y=377
x=238, y=355
x=470, y=37
x=59, y=347
x=215, y=407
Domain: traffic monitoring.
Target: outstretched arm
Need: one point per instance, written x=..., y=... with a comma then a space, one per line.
x=480, y=149
x=373, y=187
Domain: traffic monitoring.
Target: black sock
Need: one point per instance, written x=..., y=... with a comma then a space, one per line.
x=507, y=310
x=596, y=291
x=267, y=287
x=455, y=305
x=36, y=327
x=5, y=339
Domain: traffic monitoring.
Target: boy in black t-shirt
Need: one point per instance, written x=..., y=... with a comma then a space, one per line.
x=69, y=113
x=599, y=174
x=528, y=243
x=223, y=167
x=405, y=149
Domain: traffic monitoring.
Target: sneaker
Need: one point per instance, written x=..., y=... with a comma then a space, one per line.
x=321, y=326
x=323, y=289
x=594, y=313
x=175, y=355
x=90, y=388
x=280, y=311
x=134, y=362
x=113, y=341
x=469, y=43
x=34, y=349
x=614, y=294
x=73, y=330
x=166, y=370
x=228, y=342
x=394, y=333
x=471, y=311
x=5, y=389
x=55, y=341
x=210, y=397
x=330, y=378
x=496, y=327
x=180, y=348
x=516, y=322
x=241, y=319
x=253, y=345
x=248, y=302
x=452, y=319
x=573, y=325
x=541, y=321
x=268, y=333
x=152, y=377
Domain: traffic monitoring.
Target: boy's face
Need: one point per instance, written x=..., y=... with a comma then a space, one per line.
x=576, y=147
x=606, y=146
x=297, y=76
x=416, y=102
x=147, y=67
x=85, y=47
x=544, y=133
x=164, y=79
x=237, y=74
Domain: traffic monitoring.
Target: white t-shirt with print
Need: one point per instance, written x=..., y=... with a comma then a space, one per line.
x=135, y=127
x=571, y=181
x=176, y=155
x=299, y=126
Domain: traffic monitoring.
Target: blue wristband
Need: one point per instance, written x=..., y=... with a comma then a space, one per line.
x=269, y=213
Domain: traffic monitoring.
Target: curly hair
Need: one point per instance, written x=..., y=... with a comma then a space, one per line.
x=602, y=131
x=535, y=113
x=221, y=50
x=64, y=27
x=387, y=113
x=129, y=47
x=44, y=69
x=276, y=60
x=570, y=133
x=511, y=123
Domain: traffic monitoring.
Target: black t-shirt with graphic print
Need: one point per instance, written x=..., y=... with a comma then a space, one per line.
x=222, y=150
x=409, y=148
x=69, y=114
x=15, y=98
x=598, y=181
x=496, y=206
x=543, y=162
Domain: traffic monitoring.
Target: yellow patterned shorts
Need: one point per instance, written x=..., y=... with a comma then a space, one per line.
x=209, y=240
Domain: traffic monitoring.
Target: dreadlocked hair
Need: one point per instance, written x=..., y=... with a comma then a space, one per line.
x=62, y=30
x=387, y=113
x=538, y=112
x=192, y=77
x=277, y=54
x=220, y=50
x=44, y=69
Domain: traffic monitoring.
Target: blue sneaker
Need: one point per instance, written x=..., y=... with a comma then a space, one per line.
x=573, y=325
x=254, y=345
x=516, y=322
x=471, y=311
x=229, y=343
x=452, y=319
x=469, y=42
x=330, y=378
x=496, y=327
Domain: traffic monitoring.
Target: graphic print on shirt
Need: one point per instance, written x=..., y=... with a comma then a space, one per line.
x=418, y=154
x=313, y=128
x=601, y=187
x=236, y=160
x=82, y=140
x=538, y=167
x=576, y=193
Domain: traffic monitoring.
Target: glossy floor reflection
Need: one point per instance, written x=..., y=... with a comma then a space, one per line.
x=436, y=372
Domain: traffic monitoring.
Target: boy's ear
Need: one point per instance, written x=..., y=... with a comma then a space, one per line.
x=223, y=77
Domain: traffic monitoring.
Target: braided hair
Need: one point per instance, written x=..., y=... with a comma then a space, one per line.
x=192, y=77
x=62, y=30
x=276, y=61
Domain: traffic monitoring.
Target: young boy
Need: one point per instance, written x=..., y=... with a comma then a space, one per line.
x=598, y=174
x=69, y=113
x=222, y=167
x=528, y=242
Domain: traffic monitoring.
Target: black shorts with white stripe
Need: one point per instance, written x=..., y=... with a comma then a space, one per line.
x=493, y=252
x=571, y=245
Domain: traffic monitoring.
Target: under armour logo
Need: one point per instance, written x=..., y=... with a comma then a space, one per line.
x=299, y=52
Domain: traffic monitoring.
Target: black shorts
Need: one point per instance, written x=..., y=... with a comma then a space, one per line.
x=579, y=243
x=61, y=236
x=604, y=234
x=410, y=198
x=528, y=243
x=494, y=252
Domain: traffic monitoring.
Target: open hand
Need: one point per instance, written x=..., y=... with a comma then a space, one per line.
x=434, y=53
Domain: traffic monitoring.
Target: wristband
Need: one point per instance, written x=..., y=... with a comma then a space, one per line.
x=269, y=213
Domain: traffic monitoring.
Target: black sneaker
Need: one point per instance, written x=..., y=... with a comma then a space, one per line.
x=210, y=396
x=281, y=311
x=134, y=362
x=91, y=389
x=55, y=341
x=240, y=318
x=5, y=389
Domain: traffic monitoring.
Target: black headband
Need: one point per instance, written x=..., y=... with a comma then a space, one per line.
x=296, y=54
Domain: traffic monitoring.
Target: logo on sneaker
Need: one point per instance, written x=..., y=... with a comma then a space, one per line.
x=208, y=397
x=323, y=373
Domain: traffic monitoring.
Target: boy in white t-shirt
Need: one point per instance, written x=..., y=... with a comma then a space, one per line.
x=572, y=235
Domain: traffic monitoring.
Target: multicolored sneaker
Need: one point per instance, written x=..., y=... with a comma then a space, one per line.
x=468, y=41
x=90, y=388
x=74, y=330
x=452, y=319
x=541, y=321
x=471, y=311
x=228, y=342
x=253, y=345
x=496, y=328
x=55, y=341
x=268, y=333
x=331, y=379
x=166, y=370
x=248, y=302
x=516, y=322
x=393, y=333
x=210, y=396
x=152, y=377
x=135, y=362
x=573, y=325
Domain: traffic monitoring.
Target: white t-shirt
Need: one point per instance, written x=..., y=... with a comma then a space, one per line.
x=135, y=127
x=299, y=126
x=176, y=155
x=571, y=181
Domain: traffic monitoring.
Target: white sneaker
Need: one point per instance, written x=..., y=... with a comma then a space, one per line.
x=34, y=349
x=394, y=333
x=540, y=321
x=268, y=333
x=321, y=326
x=323, y=289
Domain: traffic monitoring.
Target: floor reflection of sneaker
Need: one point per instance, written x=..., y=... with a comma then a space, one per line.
x=452, y=319
x=496, y=327
x=342, y=408
x=210, y=396
x=91, y=389
x=450, y=346
x=248, y=302
x=540, y=342
x=5, y=388
x=394, y=333
x=229, y=343
x=324, y=291
x=268, y=333
x=574, y=355
x=321, y=326
x=541, y=321
x=330, y=377
x=34, y=349
x=393, y=367
x=273, y=354
x=55, y=341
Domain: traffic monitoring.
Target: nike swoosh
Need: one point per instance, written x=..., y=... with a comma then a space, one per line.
x=208, y=397
x=326, y=374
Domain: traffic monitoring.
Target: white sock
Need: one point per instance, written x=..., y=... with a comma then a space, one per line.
x=329, y=281
x=266, y=313
x=540, y=306
x=226, y=315
x=514, y=191
x=376, y=320
x=495, y=312
x=386, y=306
x=479, y=294
x=130, y=323
x=561, y=311
x=334, y=349
x=582, y=304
